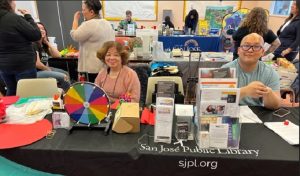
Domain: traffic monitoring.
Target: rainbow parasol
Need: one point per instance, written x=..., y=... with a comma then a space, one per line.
x=86, y=103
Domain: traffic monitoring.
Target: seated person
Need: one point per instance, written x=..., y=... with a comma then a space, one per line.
x=128, y=20
x=117, y=79
x=259, y=82
x=43, y=50
x=168, y=22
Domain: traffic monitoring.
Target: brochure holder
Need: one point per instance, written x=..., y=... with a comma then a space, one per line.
x=164, y=119
x=184, y=126
x=164, y=115
x=217, y=114
x=191, y=81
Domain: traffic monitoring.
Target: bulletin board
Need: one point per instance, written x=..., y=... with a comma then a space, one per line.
x=141, y=10
x=200, y=6
x=30, y=6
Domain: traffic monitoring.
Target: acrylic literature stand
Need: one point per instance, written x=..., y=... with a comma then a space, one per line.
x=217, y=114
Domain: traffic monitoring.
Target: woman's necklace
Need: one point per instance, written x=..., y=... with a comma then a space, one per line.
x=115, y=81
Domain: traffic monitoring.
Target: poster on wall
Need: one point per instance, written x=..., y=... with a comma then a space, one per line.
x=141, y=10
x=200, y=6
x=203, y=27
x=233, y=20
x=214, y=15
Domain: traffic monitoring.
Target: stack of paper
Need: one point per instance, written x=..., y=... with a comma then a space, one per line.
x=289, y=133
x=248, y=116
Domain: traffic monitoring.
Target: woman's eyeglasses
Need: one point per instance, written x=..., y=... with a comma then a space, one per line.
x=254, y=47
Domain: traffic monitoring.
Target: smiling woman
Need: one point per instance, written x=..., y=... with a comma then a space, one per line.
x=116, y=78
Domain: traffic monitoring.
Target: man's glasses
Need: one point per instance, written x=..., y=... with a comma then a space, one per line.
x=254, y=47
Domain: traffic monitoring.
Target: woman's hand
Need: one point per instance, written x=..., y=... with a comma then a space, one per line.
x=75, y=20
x=23, y=11
x=77, y=15
x=45, y=41
x=286, y=51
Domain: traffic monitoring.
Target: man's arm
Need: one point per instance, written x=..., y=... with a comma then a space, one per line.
x=272, y=99
x=257, y=89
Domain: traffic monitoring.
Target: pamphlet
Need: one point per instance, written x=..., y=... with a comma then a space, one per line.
x=218, y=83
x=218, y=135
x=203, y=27
x=289, y=132
x=164, y=119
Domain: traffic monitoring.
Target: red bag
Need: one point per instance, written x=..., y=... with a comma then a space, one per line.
x=2, y=109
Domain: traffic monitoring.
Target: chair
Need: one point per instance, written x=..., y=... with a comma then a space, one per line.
x=143, y=71
x=37, y=87
x=153, y=80
x=288, y=102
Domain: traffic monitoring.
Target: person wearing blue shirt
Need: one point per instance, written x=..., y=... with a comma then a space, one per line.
x=259, y=83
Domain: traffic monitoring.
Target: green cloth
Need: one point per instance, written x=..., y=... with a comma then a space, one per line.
x=22, y=101
x=10, y=168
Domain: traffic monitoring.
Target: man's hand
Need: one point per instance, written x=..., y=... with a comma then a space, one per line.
x=256, y=89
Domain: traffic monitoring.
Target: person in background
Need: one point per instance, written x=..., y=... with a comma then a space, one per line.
x=289, y=35
x=168, y=22
x=191, y=21
x=44, y=50
x=117, y=79
x=44, y=47
x=17, y=57
x=91, y=35
x=259, y=83
x=255, y=22
x=128, y=20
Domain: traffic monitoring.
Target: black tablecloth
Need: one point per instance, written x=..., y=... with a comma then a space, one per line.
x=89, y=152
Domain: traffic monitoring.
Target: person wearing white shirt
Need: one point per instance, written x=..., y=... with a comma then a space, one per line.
x=91, y=35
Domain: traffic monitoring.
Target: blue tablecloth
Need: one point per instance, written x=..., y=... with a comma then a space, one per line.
x=206, y=44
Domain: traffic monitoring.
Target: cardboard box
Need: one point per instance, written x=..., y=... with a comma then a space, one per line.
x=127, y=119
